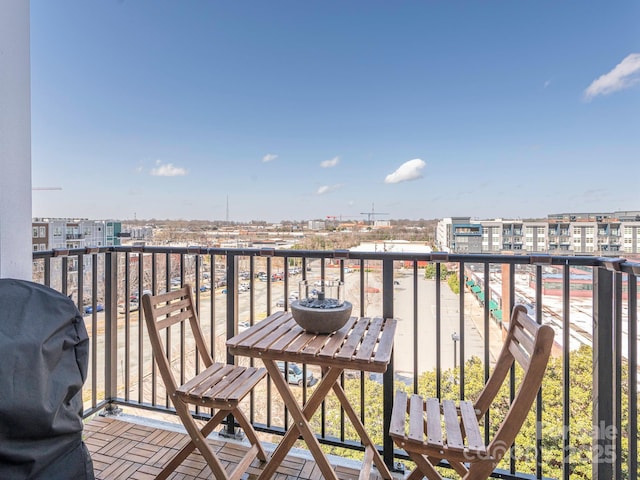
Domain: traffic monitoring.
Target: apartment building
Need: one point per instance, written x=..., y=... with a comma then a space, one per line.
x=606, y=234
x=54, y=233
x=459, y=235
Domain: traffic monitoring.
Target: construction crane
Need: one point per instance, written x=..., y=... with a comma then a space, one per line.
x=372, y=214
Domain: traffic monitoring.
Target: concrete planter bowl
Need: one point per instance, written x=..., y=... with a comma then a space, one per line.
x=321, y=320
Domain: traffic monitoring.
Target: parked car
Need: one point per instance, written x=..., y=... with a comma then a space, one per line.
x=133, y=306
x=280, y=302
x=295, y=374
x=242, y=326
x=134, y=295
x=88, y=310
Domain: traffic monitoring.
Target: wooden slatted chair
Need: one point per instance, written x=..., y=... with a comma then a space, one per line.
x=219, y=386
x=443, y=430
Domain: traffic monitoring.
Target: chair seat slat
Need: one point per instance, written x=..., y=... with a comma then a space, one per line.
x=434, y=426
x=475, y=443
x=416, y=421
x=452, y=425
x=398, y=414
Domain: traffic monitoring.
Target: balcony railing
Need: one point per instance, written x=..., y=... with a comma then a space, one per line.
x=450, y=329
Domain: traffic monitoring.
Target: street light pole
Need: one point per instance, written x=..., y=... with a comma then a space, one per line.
x=455, y=337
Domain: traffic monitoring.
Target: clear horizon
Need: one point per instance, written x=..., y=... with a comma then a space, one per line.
x=290, y=110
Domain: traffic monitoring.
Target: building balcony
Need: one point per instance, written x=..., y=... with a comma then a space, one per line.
x=450, y=327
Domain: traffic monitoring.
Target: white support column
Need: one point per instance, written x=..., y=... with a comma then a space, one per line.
x=15, y=140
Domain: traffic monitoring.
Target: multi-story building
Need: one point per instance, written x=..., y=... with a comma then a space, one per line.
x=40, y=235
x=316, y=225
x=561, y=234
x=52, y=233
x=459, y=235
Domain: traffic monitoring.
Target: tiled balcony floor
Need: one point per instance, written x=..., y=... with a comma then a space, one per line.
x=125, y=450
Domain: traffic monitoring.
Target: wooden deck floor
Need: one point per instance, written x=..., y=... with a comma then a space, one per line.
x=125, y=450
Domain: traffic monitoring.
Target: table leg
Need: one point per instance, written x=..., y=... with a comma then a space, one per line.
x=370, y=448
x=301, y=418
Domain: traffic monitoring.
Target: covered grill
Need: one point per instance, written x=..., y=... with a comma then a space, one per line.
x=44, y=350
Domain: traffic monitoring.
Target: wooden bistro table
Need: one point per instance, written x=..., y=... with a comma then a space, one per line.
x=362, y=344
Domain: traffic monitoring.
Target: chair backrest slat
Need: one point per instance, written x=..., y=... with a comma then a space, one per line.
x=519, y=354
x=171, y=320
x=524, y=338
x=163, y=309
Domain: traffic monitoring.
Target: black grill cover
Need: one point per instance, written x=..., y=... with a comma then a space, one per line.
x=44, y=350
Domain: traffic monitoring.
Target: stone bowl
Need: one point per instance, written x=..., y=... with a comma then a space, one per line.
x=320, y=320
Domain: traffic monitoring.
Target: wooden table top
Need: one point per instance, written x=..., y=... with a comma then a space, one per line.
x=362, y=344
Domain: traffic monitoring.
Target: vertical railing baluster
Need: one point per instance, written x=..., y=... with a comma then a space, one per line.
x=632, y=329
x=127, y=324
x=80, y=285
x=141, y=331
x=94, y=292
x=617, y=348
x=416, y=368
x=461, y=329
x=110, y=323
x=603, y=386
x=438, y=333
x=232, y=320
x=387, y=385
x=566, y=370
x=65, y=277
x=538, y=403
x=487, y=345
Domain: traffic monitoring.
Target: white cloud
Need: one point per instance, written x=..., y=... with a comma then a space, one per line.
x=407, y=171
x=167, y=170
x=330, y=163
x=269, y=157
x=328, y=188
x=623, y=75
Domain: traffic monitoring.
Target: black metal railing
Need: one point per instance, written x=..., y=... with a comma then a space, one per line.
x=451, y=308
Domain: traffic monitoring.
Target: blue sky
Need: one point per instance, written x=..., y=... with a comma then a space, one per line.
x=308, y=109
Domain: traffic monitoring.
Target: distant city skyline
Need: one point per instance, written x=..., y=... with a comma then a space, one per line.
x=287, y=110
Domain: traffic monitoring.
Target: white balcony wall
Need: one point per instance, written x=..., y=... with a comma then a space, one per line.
x=15, y=140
